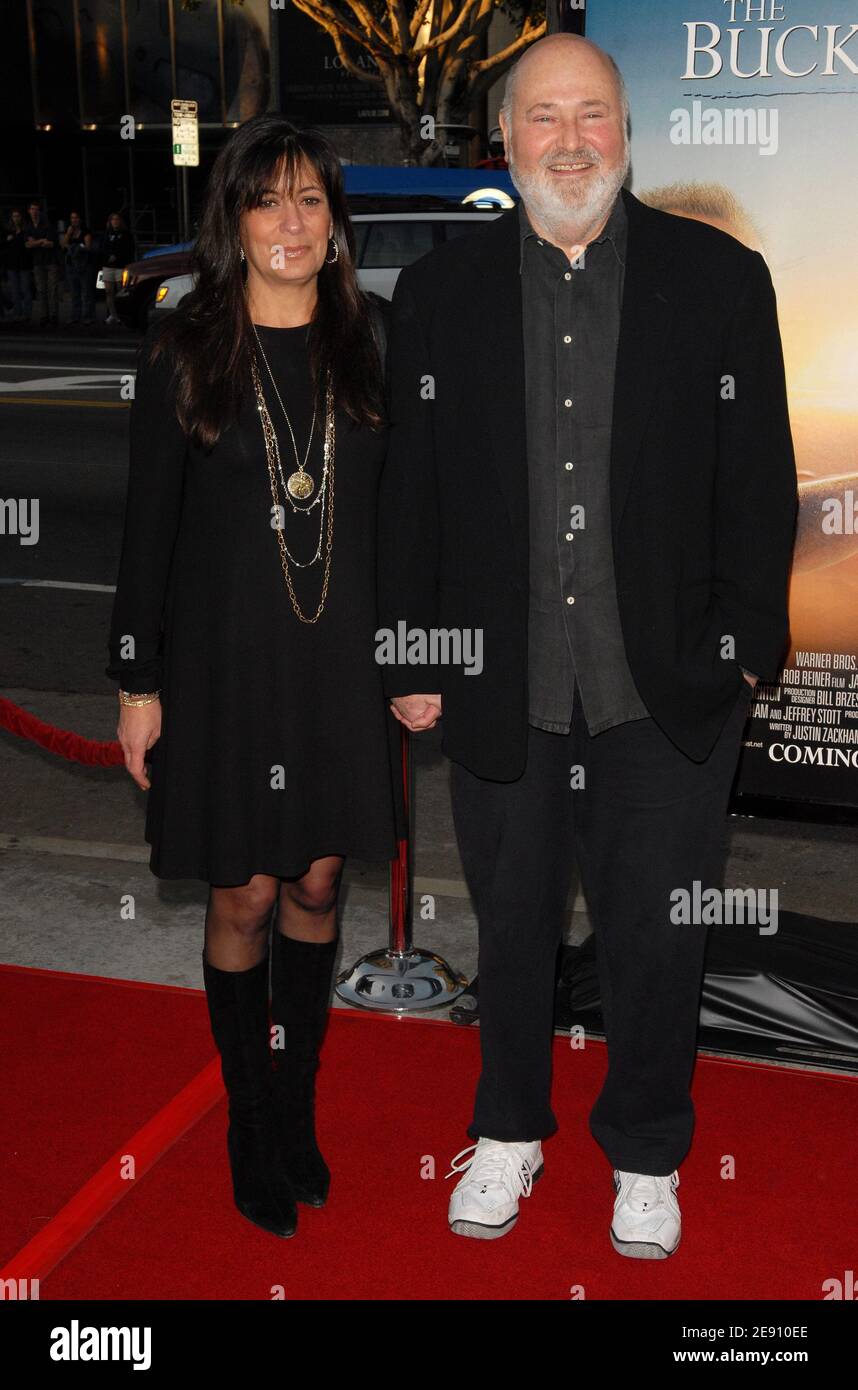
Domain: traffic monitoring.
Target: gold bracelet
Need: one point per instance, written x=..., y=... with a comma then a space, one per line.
x=128, y=697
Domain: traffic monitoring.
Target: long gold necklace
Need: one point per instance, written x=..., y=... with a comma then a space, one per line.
x=300, y=483
x=325, y=496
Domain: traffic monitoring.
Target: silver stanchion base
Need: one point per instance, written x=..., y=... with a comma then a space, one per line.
x=400, y=982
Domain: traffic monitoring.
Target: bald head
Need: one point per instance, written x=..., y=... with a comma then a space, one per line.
x=564, y=50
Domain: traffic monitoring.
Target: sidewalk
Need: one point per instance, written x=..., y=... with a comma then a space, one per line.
x=76, y=866
x=98, y=332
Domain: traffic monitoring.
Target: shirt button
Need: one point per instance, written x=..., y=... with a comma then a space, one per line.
x=569, y=465
x=570, y=535
x=567, y=276
x=567, y=401
x=567, y=337
x=570, y=599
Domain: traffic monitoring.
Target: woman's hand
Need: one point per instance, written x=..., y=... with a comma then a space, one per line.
x=139, y=727
x=417, y=712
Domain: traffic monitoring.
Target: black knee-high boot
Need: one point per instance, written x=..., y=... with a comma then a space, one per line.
x=300, y=991
x=238, y=1010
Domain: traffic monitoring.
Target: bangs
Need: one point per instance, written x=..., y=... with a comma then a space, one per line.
x=279, y=172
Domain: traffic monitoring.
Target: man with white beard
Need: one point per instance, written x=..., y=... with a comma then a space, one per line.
x=579, y=484
x=568, y=193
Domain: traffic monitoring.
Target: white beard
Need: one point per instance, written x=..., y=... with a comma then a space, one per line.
x=566, y=209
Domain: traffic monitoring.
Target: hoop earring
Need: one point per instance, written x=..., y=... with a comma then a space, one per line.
x=336, y=253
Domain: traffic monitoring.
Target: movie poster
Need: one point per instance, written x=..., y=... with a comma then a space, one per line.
x=744, y=113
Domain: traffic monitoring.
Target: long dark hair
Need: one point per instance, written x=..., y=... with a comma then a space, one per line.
x=210, y=335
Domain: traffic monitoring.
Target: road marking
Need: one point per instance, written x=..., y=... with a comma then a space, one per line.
x=103, y=377
x=47, y=367
x=61, y=584
x=70, y=403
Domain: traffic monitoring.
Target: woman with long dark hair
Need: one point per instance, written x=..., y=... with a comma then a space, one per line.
x=258, y=433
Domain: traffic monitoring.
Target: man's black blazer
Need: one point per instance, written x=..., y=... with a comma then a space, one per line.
x=702, y=480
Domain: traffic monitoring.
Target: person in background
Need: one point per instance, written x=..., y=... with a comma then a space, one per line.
x=7, y=309
x=76, y=242
x=117, y=249
x=41, y=240
x=17, y=264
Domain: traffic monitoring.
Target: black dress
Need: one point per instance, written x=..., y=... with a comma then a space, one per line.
x=277, y=743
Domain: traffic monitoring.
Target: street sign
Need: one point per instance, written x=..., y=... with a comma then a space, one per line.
x=186, y=138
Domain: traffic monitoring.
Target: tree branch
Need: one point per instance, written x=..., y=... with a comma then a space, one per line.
x=399, y=25
x=369, y=22
x=337, y=26
x=445, y=35
x=418, y=17
x=525, y=38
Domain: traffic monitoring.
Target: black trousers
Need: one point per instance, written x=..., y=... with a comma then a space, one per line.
x=646, y=821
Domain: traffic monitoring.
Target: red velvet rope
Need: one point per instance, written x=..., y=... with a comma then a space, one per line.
x=95, y=752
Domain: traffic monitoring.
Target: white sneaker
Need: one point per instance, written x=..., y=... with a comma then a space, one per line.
x=646, y=1223
x=484, y=1203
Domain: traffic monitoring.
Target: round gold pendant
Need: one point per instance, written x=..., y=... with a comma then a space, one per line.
x=300, y=485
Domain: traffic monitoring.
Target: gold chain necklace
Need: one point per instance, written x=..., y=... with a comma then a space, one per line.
x=300, y=484
x=272, y=452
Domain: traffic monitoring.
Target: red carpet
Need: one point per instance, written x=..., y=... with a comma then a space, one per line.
x=393, y=1097
x=86, y=1062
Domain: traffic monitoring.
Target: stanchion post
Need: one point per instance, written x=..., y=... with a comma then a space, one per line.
x=401, y=978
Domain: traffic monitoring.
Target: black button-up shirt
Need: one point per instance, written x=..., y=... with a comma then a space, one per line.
x=571, y=322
